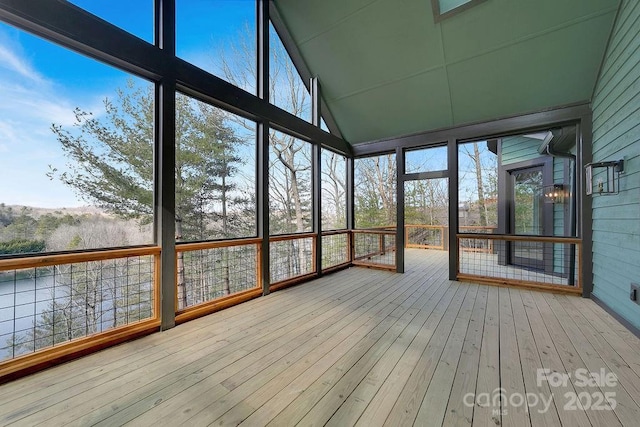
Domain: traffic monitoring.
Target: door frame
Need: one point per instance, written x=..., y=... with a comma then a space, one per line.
x=506, y=201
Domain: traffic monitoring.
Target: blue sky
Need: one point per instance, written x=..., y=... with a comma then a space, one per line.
x=41, y=83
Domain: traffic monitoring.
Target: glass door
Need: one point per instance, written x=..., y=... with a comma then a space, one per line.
x=527, y=216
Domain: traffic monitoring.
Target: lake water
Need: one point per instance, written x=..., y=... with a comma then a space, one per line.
x=22, y=301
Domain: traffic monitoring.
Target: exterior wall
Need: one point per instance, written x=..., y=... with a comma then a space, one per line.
x=519, y=148
x=616, y=135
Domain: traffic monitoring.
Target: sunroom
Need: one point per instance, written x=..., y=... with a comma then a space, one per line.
x=322, y=212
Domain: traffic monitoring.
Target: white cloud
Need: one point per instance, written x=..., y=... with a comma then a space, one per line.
x=13, y=62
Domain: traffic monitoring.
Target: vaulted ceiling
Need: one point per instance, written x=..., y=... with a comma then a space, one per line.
x=388, y=69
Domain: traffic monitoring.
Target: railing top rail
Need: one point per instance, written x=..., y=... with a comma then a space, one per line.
x=386, y=227
x=72, y=258
x=425, y=226
x=195, y=246
x=477, y=227
x=283, y=237
x=335, y=232
x=520, y=238
x=376, y=232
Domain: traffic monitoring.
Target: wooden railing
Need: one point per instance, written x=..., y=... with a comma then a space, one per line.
x=211, y=276
x=65, y=305
x=423, y=236
x=374, y=248
x=529, y=261
x=336, y=250
x=292, y=259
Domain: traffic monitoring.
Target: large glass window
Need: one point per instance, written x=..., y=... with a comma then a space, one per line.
x=478, y=186
x=426, y=160
x=136, y=17
x=219, y=36
x=287, y=90
x=334, y=190
x=76, y=144
x=289, y=184
x=443, y=8
x=215, y=172
x=375, y=191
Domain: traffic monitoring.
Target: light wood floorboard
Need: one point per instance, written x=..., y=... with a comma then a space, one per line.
x=357, y=347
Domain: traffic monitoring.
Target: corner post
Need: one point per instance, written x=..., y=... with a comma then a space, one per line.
x=262, y=155
x=452, y=158
x=399, y=210
x=316, y=173
x=584, y=155
x=164, y=165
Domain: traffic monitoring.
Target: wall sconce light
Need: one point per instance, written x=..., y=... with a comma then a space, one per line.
x=603, y=177
x=554, y=193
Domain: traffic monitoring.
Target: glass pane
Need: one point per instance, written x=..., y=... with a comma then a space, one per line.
x=323, y=126
x=135, y=17
x=219, y=36
x=427, y=213
x=447, y=5
x=289, y=184
x=287, y=90
x=528, y=202
x=427, y=202
x=334, y=191
x=426, y=160
x=76, y=144
x=375, y=192
x=215, y=172
x=477, y=187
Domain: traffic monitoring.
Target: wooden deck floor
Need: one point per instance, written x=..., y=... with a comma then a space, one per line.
x=359, y=347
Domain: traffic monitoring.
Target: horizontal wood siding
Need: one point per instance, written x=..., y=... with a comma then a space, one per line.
x=519, y=148
x=616, y=135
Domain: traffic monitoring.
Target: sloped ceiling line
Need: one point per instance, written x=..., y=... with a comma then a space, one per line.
x=547, y=31
x=337, y=23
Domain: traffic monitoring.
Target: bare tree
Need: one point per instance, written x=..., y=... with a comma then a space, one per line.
x=376, y=191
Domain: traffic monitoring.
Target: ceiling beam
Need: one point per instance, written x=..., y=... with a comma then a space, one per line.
x=488, y=129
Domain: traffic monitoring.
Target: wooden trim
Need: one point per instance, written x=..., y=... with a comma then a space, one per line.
x=635, y=331
x=314, y=261
x=30, y=363
x=369, y=255
x=217, y=304
x=429, y=227
x=337, y=267
x=375, y=265
x=157, y=273
x=292, y=281
x=519, y=238
x=259, y=265
x=72, y=258
x=383, y=228
x=374, y=231
x=416, y=246
x=197, y=246
x=565, y=289
x=479, y=227
x=335, y=232
x=284, y=237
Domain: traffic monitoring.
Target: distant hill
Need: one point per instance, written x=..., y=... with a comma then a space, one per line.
x=81, y=210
